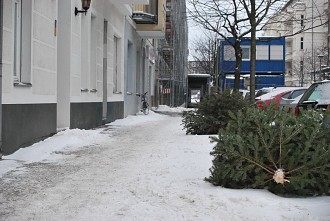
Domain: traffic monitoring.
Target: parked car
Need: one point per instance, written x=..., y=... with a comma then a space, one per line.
x=274, y=96
x=290, y=106
x=264, y=90
x=245, y=93
x=290, y=100
x=317, y=96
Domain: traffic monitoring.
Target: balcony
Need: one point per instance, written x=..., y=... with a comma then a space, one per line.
x=125, y=6
x=150, y=19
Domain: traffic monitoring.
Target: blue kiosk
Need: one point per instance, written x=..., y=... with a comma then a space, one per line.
x=270, y=63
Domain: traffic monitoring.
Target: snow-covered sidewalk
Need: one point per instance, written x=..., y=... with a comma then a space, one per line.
x=138, y=168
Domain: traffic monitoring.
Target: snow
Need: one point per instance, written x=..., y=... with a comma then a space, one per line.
x=277, y=91
x=143, y=167
x=165, y=108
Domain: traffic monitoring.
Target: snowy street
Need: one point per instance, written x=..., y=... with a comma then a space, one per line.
x=138, y=168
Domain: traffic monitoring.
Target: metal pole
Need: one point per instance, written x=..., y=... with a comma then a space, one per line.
x=172, y=80
x=302, y=73
x=313, y=59
x=1, y=34
x=320, y=76
x=320, y=56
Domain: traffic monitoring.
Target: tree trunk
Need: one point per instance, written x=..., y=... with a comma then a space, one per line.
x=238, y=55
x=253, y=52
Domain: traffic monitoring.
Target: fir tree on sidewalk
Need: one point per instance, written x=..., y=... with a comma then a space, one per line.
x=273, y=150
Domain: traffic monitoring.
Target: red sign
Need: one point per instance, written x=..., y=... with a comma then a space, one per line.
x=166, y=90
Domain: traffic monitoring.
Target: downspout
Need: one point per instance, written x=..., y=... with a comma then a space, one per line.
x=1, y=34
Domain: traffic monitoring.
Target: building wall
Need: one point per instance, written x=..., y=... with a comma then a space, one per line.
x=76, y=69
x=270, y=62
x=89, y=49
x=29, y=98
x=25, y=124
x=38, y=49
x=132, y=65
x=66, y=78
x=266, y=63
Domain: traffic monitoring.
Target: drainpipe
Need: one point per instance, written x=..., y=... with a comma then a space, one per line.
x=1, y=27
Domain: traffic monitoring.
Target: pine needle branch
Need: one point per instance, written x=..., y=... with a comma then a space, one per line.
x=281, y=143
x=293, y=134
x=269, y=170
x=267, y=147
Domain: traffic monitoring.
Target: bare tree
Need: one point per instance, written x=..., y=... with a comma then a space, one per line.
x=205, y=54
x=223, y=18
x=233, y=19
x=303, y=67
x=238, y=18
x=256, y=10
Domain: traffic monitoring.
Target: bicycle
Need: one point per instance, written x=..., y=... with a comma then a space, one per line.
x=145, y=105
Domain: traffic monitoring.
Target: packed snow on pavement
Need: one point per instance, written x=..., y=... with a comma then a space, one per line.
x=142, y=167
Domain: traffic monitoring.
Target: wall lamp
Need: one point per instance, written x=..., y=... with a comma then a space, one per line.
x=85, y=5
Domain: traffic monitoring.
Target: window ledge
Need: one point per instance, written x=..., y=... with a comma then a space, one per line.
x=93, y=91
x=117, y=92
x=22, y=84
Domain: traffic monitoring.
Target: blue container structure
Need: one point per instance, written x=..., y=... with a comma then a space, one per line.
x=270, y=63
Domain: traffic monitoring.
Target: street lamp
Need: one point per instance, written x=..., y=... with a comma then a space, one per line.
x=85, y=5
x=320, y=56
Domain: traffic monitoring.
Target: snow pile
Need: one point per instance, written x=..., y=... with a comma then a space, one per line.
x=47, y=150
x=66, y=141
x=165, y=108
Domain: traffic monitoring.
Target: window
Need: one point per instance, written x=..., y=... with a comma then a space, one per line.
x=93, y=57
x=229, y=53
x=245, y=53
x=302, y=21
x=17, y=40
x=22, y=11
x=115, y=64
x=262, y=52
x=297, y=93
x=286, y=96
x=319, y=92
x=84, y=55
x=276, y=52
x=152, y=7
x=301, y=43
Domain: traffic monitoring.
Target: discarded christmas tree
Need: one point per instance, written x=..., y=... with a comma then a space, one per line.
x=212, y=113
x=273, y=150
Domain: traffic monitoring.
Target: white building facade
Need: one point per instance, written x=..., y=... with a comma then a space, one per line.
x=304, y=23
x=62, y=70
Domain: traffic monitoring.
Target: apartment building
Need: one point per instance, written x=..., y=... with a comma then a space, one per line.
x=70, y=65
x=172, y=65
x=304, y=23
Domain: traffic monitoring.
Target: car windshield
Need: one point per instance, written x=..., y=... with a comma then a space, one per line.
x=318, y=92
